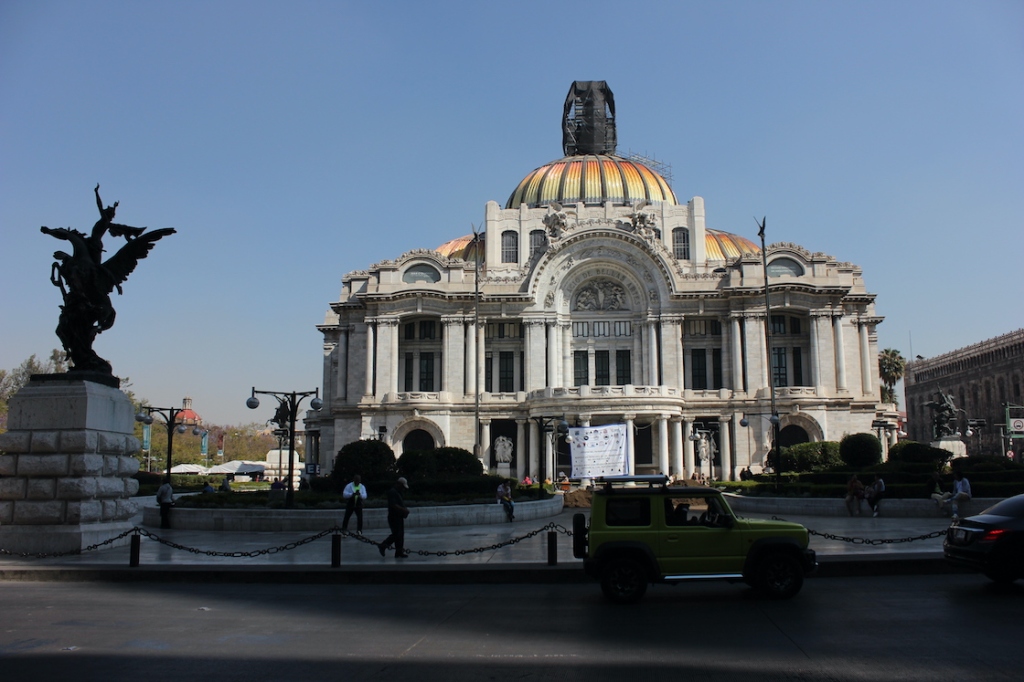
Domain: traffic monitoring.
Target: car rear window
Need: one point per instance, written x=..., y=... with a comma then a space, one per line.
x=628, y=512
x=1012, y=507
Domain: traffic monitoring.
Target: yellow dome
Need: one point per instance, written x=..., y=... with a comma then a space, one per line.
x=461, y=247
x=593, y=179
x=725, y=246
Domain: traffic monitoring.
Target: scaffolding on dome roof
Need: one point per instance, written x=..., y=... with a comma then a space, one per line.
x=660, y=167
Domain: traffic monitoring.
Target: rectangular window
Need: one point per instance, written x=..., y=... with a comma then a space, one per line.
x=410, y=331
x=779, y=373
x=580, y=371
x=580, y=330
x=506, y=372
x=426, y=371
x=794, y=325
x=408, y=371
x=716, y=368
x=798, y=368
x=602, y=368
x=522, y=373
x=626, y=511
x=715, y=327
x=698, y=369
x=602, y=328
x=428, y=329
x=623, y=368
x=488, y=373
x=623, y=329
x=778, y=324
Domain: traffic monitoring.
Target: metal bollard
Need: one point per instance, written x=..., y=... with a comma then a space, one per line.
x=136, y=545
x=335, y=550
x=552, y=548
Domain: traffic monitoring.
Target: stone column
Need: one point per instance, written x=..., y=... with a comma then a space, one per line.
x=481, y=356
x=565, y=337
x=553, y=354
x=663, y=444
x=677, y=448
x=688, y=456
x=470, y=358
x=66, y=472
x=630, y=444
x=865, y=360
x=840, y=355
x=520, y=451
x=652, y=353
x=816, y=355
x=737, y=354
x=370, y=352
x=534, y=463
x=725, y=449
x=341, y=391
x=485, y=443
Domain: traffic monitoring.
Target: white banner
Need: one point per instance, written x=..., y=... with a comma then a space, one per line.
x=599, y=451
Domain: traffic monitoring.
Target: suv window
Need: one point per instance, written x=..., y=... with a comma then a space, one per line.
x=623, y=511
x=688, y=511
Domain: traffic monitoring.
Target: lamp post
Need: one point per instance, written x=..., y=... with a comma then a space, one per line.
x=287, y=411
x=776, y=460
x=170, y=417
x=477, y=449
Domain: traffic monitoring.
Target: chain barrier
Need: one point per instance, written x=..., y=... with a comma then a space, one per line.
x=283, y=548
x=71, y=552
x=871, y=541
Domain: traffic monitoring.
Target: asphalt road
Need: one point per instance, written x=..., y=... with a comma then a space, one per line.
x=936, y=627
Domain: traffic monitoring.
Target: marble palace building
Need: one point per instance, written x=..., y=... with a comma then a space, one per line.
x=596, y=296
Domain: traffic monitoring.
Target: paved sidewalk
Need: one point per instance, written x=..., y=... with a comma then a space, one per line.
x=498, y=560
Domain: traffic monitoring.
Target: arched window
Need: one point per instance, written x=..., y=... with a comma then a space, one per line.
x=681, y=243
x=421, y=273
x=785, y=266
x=509, y=247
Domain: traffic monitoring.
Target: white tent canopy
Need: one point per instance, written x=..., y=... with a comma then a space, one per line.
x=238, y=466
x=188, y=469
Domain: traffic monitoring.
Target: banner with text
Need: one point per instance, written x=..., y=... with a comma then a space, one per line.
x=599, y=451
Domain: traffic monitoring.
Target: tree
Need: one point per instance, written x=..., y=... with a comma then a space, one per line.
x=860, y=450
x=12, y=382
x=891, y=366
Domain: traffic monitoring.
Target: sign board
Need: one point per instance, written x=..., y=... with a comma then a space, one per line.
x=599, y=451
x=1016, y=425
x=312, y=469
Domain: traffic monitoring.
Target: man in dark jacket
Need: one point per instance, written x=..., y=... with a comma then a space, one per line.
x=397, y=511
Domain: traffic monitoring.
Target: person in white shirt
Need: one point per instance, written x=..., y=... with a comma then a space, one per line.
x=165, y=498
x=961, y=494
x=354, y=493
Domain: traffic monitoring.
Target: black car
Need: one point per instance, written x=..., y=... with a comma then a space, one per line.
x=991, y=542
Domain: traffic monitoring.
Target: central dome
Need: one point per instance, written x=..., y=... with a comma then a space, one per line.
x=592, y=179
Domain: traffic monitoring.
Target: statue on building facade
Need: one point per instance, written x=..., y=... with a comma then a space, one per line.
x=86, y=281
x=503, y=449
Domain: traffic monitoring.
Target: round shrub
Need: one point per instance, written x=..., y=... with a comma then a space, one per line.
x=419, y=465
x=811, y=456
x=457, y=462
x=860, y=450
x=371, y=459
x=912, y=452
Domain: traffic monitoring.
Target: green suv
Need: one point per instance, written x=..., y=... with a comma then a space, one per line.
x=643, y=530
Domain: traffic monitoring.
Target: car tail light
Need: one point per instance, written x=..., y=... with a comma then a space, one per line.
x=993, y=534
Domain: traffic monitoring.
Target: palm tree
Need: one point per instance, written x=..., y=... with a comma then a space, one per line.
x=891, y=366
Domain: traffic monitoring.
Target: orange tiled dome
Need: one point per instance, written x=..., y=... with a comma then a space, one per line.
x=593, y=179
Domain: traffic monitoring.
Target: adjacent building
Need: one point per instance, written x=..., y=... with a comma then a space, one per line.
x=985, y=380
x=593, y=295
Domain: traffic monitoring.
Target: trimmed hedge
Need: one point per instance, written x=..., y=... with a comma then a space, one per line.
x=859, y=450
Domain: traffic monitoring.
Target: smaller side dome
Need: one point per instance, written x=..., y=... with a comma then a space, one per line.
x=462, y=247
x=720, y=245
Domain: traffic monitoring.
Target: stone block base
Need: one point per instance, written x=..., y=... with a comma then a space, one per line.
x=62, y=538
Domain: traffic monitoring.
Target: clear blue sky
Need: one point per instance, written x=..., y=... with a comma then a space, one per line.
x=291, y=143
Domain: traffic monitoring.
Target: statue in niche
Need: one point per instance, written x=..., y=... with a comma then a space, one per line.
x=86, y=281
x=503, y=449
x=943, y=415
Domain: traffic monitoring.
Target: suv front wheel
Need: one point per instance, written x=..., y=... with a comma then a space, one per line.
x=623, y=580
x=779, y=575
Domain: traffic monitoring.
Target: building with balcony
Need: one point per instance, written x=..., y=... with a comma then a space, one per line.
x=593, y=294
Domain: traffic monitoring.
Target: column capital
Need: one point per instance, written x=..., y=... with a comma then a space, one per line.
x=724, y=418
x=629, y=417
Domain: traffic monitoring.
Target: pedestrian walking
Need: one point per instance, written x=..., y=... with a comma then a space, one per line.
x=397, y=511
x=165, y=498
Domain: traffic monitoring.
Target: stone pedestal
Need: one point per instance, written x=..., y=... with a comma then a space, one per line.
x=505, y=470
x=952, y=444
x=66, y=467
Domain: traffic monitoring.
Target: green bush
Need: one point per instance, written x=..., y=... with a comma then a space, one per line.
x=860, y=450
x=371, y=459
x=811, y=456
x=439, y=463
x=912, y=452
x=417, y=464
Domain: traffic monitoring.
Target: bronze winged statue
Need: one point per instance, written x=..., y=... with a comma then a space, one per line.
x=86, y=282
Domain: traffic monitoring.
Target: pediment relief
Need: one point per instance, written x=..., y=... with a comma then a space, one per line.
x=600, y=294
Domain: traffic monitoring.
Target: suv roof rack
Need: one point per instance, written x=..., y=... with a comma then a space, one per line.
x=651, y=480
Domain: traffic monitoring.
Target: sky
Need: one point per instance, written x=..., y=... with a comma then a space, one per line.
x=292, y=143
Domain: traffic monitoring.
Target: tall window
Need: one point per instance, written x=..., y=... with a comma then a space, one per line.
x=509, y=247
x=716, y=368
x=698, y=369
x=426, y=371
x=506, y=372
x=798, y=367
x=681, y=243
x=623, y=368
x=408, y=371
x=602, y=368
x=537, y=241
x=580, y=371
x=779, y=370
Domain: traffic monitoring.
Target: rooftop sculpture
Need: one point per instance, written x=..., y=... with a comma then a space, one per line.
x=86, y=281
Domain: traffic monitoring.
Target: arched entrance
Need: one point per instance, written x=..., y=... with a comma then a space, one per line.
x=418, y=439
x=793, y=435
